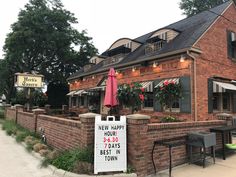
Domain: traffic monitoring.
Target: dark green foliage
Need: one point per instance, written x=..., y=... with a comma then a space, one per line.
x=37, y=98
x=43, y=40
x=192, y=7
x=12, y=128
x=57, y=94
x=1, y=113
x=130, y=169
x=9, y=127
x=167, y=93
x=170, y=119
x=67, y=159
x=131, y=95
x=20, y=136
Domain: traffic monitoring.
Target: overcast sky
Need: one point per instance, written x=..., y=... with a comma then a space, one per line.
x=105, y=20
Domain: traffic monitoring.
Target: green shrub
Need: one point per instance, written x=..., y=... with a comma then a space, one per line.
x=1, y=113
x=10, y=127
x=20, y=136
x=67, y=160
x=170, y=119
x=130, y=169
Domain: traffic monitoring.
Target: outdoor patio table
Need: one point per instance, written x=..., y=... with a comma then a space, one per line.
x=172, y=142
x=225, y=130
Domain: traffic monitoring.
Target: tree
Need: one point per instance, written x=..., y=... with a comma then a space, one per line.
x=192, y=7
x=43, y=40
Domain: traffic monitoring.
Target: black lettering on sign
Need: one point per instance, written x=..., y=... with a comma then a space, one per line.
x=111, y=158
x=102, y=127
x=105, y=152
x=117, y=127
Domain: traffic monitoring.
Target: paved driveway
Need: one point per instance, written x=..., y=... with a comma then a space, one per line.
x=15, y=161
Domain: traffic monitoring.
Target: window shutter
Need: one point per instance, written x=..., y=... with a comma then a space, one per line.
x=234, y=102
x=229, y=44
x=156, y=103
x=185, y=102
x=210, y=95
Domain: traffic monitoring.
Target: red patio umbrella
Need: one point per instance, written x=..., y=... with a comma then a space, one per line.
x=110, y=99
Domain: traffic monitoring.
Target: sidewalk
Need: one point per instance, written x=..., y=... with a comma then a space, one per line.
x=222, y=168
x=15, y=161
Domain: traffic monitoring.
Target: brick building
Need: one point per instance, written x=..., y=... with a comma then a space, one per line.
x=199, y=52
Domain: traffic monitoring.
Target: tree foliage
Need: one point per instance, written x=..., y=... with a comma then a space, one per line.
x=43, y=40
x=192, y=7
x=38, y=98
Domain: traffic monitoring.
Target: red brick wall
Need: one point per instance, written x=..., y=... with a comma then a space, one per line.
x=26, y=120
x=166, y=69
x=67, y=134
x=214, y=60
x=11, y=114
x=141, y=136
x=61, y=133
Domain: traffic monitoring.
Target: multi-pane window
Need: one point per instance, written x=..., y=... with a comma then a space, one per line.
x=148, y=101
x=226, y=101
x=73, y=101
x=175, y=107
x=222, y=102
x=231, y=40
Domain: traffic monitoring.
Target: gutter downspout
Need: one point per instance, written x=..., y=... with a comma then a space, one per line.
x=194, y=83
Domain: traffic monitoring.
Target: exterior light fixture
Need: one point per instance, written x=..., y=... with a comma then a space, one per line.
x=117, y=72
x=93, y=77
x=154, y=65
x=84, y=79
x=76, y=82
x=182, y=58
x=133, y=69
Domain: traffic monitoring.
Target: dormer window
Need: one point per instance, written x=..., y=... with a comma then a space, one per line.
x=163, y=36
x=128, y=45
x=96, y=59
x=231, y=40
x=118, y=50
x=154, y=44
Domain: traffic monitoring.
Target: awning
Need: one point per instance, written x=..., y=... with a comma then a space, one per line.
x=175, y=80
x=219, y=87
x=94, y=89
x=71, y=93
x=80, y=92
x=148, y=86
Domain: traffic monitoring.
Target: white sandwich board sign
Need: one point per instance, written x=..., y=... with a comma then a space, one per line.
x=110, y=152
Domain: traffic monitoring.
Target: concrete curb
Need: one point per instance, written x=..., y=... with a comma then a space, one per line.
x=63, y=173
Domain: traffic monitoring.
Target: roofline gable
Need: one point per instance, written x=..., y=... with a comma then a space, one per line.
x=219, y=16
x=124, y=38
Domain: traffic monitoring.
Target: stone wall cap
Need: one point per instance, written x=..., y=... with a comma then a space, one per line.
x=89, y=115
x=38, y=110
x=18, y=105
x=138, y=116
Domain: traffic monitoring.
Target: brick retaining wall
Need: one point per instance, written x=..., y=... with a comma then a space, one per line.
x=61, y=133
x=10, y=114
x=64, y=134
x=26, y=120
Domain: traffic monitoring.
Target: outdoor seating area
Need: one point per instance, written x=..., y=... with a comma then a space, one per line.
x=221, y=168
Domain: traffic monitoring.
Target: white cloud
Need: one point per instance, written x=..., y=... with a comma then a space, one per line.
x=105, y=20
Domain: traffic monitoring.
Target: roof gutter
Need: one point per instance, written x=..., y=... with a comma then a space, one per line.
x=140, y=61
